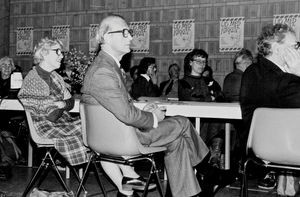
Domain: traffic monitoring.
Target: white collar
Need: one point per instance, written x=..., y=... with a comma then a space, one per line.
x=145, y=76
x=116, y=60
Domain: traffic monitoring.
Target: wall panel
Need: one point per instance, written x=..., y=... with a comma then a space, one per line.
x=43, y=14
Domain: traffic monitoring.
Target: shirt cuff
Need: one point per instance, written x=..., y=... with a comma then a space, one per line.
x=155, y=121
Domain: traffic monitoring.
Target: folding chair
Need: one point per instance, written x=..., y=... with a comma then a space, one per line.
x=273, y=141
x=113, y=141
x=47, y=161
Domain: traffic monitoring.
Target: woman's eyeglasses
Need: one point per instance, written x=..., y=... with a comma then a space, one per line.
x=200, y=62
x=57, y=51
x=125, y=32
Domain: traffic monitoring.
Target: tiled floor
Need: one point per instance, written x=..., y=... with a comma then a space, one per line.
x=21, y=176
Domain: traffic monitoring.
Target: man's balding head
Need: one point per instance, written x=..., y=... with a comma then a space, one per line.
x=106, y=25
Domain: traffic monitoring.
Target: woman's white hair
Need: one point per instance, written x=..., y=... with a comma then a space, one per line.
x=5, y=60
x=105, y=26
x=43, y=47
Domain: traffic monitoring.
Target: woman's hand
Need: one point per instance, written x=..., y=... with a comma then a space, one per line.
x=60, y=104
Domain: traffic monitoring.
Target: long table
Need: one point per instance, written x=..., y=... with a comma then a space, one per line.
x=197, y=110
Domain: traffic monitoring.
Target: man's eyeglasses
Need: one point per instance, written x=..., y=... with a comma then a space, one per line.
x=125, y=32
x=297, y=45
x=57, y=51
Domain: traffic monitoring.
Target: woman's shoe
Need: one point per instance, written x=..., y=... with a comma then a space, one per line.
x=119, y=194
x=136, y=184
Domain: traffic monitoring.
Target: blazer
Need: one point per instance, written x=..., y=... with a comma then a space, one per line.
x=265, y=85
x=105, y=69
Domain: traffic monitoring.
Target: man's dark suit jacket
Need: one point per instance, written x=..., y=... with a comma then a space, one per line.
x=265, y=85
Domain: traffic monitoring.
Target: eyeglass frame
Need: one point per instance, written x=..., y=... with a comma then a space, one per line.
x=200, y=62
x=125, y=32
x=297, y=45
x=58, y=51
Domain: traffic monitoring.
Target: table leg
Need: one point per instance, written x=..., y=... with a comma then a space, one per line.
x=197, y=124
x=29, y=158
x=227, y=146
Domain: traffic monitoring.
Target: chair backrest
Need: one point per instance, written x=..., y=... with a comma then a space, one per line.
x=275, y=135
x=34, y=136
x=104, y=133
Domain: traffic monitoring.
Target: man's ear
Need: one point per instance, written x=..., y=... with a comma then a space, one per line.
x=105, y=38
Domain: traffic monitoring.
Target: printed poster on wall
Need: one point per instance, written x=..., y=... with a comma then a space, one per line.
x=141, y=36
x=183, y=36
x=62, y=32
x=93, y=44
x=231, y=34
x=24, y=41
x=293, y=20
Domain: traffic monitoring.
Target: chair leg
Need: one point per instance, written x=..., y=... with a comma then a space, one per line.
x=34, y=178
x=58, y=175
x=153, y=172
x=97, y=174
x=244, y=187
x=78, y=179
x=84, y=177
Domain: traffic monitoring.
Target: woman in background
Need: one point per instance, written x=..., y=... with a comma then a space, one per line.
x=7, y=66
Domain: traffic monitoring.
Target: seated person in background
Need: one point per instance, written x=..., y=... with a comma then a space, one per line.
x=232, y=81
x=196, y=90
x=134, y=72
x=170, y=87
x=6, y=67
x=213, y=86
x=146, y=82
x=45, y=96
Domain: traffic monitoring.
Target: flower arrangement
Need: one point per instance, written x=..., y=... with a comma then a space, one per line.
x=74, y=69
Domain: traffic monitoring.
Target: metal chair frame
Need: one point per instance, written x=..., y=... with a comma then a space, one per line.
x=47, y=162
x=147, y=154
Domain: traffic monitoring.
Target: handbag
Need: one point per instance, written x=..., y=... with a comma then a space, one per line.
x=42, y=193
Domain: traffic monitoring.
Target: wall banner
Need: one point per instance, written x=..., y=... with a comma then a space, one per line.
x=62, y=33
x=183, y=39
x=293, y=20
x=24, y=41
x=93, y=44
x=231, y=34
x=141, y=36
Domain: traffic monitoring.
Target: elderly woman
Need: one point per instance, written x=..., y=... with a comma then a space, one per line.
x=45, y=95
x=7, y=66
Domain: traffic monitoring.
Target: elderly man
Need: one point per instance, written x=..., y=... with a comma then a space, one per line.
x=104, y=85
x=269, y=82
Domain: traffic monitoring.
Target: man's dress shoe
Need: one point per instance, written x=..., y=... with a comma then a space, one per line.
x=119, y=194
x=135, y=184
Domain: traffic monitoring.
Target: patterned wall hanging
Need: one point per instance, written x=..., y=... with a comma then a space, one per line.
x=293, y=20
x=141, y=36
x=62, y=32
x=183, y=36
x=231, y=34
x=24, y=42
